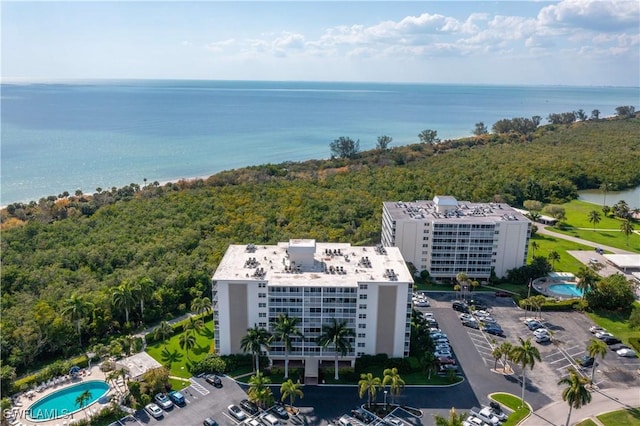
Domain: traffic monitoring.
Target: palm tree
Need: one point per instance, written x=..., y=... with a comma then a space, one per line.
x=463, y=280
x=506, y=348
x=187, y=341
x=538, y=303
x=594, y=217
x=587, y=280
x=576, y=394
x=454, y=419
x=200, y=305
x=195, y=324
x=430, y=363
x=284, y=331
x=526, y=355
x=82, y=399
x=290, y=390
x=259, y=391
x=336, y=334
x=255, y=339
x=553, y=257
x=596, y=347
x=369, y=385
x=163, y=331
x=534, y=247
x=143, y=292
x=76, y=308
x=627, y=228
x=395, y=382
x=124, y=297
x=497, y=354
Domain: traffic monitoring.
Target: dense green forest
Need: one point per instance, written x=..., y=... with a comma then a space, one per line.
x=85, y=262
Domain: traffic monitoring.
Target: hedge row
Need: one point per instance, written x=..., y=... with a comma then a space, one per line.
x=178, y=327
x=56, y=369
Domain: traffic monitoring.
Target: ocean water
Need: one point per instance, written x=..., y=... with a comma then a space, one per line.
x=84, y=135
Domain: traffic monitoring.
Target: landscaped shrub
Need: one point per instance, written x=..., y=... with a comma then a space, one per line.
x=365, y=362
x=210, y=364
x=402, y=364
x=236, y=361
x=635, y=343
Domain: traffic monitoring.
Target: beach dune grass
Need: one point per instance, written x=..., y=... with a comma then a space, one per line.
x=177, y=360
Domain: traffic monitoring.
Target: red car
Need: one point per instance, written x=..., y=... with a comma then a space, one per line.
x=445, y=360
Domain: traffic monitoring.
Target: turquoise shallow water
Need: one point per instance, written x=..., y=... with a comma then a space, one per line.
x=566, y=289
x=64, y=137
x=62, y=403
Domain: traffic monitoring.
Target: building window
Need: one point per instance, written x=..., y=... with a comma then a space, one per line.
x=362, y=335
x=262, y=324
x=360, y=353
x=262, y=295
x=361, y=345
x=262, y=305
x=262, y=315
x=362, y=316
x=363, y=297
x=362, y=325
x=262, y=285
x=364, y=286
x=363, y=306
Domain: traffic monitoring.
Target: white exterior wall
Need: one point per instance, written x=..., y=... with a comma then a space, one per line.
x=513, y=242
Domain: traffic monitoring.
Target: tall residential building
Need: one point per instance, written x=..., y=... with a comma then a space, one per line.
x=368, y=287
x=446, y=236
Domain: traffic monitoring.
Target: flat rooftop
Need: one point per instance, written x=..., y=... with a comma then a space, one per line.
x=328, y=265
x=463, y=211
x=624, y=261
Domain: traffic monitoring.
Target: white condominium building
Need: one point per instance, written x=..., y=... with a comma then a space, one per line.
x=446, y=236
x=368, y=287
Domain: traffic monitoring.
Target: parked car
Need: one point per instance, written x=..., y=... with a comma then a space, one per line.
x=626, y=352
x=502, y=294
x=460, y=306
x=476, y=304
x=586, y=361
x=442, y=353
x=485, y=415
x=473, y=421
x=362, y=415
x=497, y=411
x=422, y=304
x=236, y=412
x=543, y=339
x=496, y=331
x=214, y=380
x=209, y=422
x=534, y=325
x=541, y=332
x=163, y=401
x=446, y=360
x=611, y=340
x=464, y=317
x=448, y=367
x=603, y=334
x=249, y=407
x=281, y=411
x=597, y=329
x=618, y=346
x=153, y=410
x=471, y=323
x=177, y=398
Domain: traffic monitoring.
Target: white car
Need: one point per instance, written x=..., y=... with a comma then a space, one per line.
x=443, y=347
x=626, y=352
x=427, y=315
x=443, y=352
x=541, y=332
x=163, y=401
x=474, y=421
x=597, y=329
x=153, y=410
x=236, y=412
x=466, y=317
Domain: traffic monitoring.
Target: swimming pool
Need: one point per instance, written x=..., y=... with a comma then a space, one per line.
x=62, y=403
x=565, y=290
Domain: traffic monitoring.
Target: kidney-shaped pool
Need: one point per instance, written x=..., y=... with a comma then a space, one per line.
x=64, y=402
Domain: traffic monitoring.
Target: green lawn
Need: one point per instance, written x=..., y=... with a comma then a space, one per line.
x=547, y=244
x=577, y=213
x=513, y=403
x=176, y=357
x=177, y=384
x=616, y=323
x=587, y=422
x=621, y=417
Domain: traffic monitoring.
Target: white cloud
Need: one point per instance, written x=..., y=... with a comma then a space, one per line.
x=219, y=46
x=593, y=15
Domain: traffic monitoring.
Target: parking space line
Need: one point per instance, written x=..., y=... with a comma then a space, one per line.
x=199, y=388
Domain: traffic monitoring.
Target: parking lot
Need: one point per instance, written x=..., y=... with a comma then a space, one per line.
x=570, y=337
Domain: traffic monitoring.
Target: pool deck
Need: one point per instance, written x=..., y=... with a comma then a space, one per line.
x=541, y=285
x=23, y=402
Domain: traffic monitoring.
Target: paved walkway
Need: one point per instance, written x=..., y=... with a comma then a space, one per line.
x=602, y=402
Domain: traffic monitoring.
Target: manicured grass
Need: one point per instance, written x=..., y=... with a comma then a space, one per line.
x=547, y=244
x=176, y=357
x=616, y=323
x=610, y=238
x=621, y=417
x=177, y=384
x=587, y=422
x=513, y=403
x=577, y=213
x=241, y=371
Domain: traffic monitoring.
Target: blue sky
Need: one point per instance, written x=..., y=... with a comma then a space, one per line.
x=571, y=42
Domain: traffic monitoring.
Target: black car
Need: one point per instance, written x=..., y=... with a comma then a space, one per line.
x=471, y=323
x=460, y=307
x=479, y=306
x=281, y=411
x=363, y=416
x=249, y=407
x=617, y=346
x=611, y=341
x=586, y=361
x=209, y=422
x=213, y=380
x=496, y=331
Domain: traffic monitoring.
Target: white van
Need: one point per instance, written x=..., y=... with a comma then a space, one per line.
x=271, y=420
